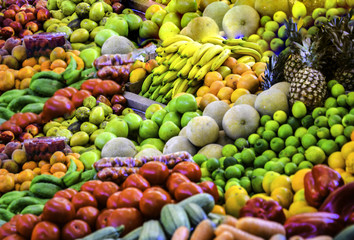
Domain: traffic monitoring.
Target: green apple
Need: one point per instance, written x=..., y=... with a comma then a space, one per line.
x=88, y=159
x=282, y=33
x=187, y=17
x=318, y=12
x=133, y=120
x=260, y=31
x=103, y=35
x=299, y=10
x=118, y=127
x=268, y=36
x=88, y=56
x=280, y=17
x=149, y=29
x=168, y=130
x=271, y=26
x=168, y=30
x=134, y=21
x=265, y=19
x=103, y=138
x=158, y=116
x=159, y=16
x=119, y=25
x=148, y=129
x=276, y=45
x=174, y=18
x=263, y=44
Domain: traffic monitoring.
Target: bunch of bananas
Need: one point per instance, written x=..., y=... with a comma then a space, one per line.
x=183, y=63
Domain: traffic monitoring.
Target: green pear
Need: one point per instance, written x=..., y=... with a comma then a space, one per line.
x=299, y=10
x=168, y=30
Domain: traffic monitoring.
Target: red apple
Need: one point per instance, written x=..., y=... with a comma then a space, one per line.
x=10, y=13
x=117, y=7
x=6, y=22
x=21, y=17
x=25, y=32
x=25, y=135
x=30, y=16
x=7, y=32
x=27, y=8
x=32, y=26
x=15, y=7
x=16, y=26
x=43, y=14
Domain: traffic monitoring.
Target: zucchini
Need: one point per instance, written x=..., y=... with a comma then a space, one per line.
x=152, y=230
x=103, y=233
x=133, y=235
x=204, y=200
x=195, y=213
x=347, y=233
x=172, y=217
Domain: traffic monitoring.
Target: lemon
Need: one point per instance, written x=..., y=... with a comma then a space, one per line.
x=234, y=204
x=297, y=182
x=347, y=149
x=280, y=116
x=268, y=179
x=300, y=207
x=235, y=190
x=283, y=196
x=336, y=160
x=337, y=90
x=280, y=181
x=299, y=195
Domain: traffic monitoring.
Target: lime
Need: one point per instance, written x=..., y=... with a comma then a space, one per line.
x=229, y=184
x=280, y=17
x=274, y=166
x=294, y=122
x=203, y=164
x=305, y=164
x=229, y=161
x=234, y=180
x=203, y=179
x=348, y=120
x=331, y=83
x=220, y=182
x=348, y=130
x=337, y=130
x=186, y=117
x=257, y=184
x=334, y=119
x=241, y=143
x=253, y=138
x=337, y=90
x=285, y=131
x=350, y=99
x=229, y=150
x=245, y=182
x=270, y=154
x=259, y=172
x=212, y=164
x=265, y=119
x=308, y=140
x=299, y=109
x=280, y=116
x=272, y=125
x=248, y=172
x=264, y=20
x=242, y=169
x=319, y=111
x=152, y=109
x=292, y=141
x=321, y=121
x=315, y=155
x=332, y=111
x=290, y=168
x=298, y=158
x=313, y=130
x=329, y=147
x=218, y=174
x=351, y=111
x=205, y=172
x=343, y=111
x=260, y=161
x=148, y=129
x=284, y=160
x=300, y=132
x=260, y=130
x=282, y=33
x=186, y=103
x=269, y=135
x=323, y=132
x=330, y=102
x=247, y=157
x=321, y=141
x=171, y=106
x=341, y=140
x=232, y=172
x=307, y=121
x=199, y=158
x=277, y=144
x=173, y=117
x=237, y=156
x=342, y=100
x=301, y=149
x=271, y=26
x=288, y=151
x=260, y=32
x=221, y=161
x=261, y=145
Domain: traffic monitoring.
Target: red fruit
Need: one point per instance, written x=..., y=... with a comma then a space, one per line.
x=75, y=229
x=112, y=201
x=187, y=189
x=103, y=191
x=155, y=172
x=46, y=231
x=189, y=169
x=15, y=7
x=30, y=16
x=117, y=109
x=210, y=187
x=7, y=32
x=174, y=180
x=67, y=193
x=43, y=14
x=25, y=32
x=6, y=22
x=58, y=210
x=119, y=99
x=83, y=199
x=101, y=221
x=137, y=181
x=117, y=7
x=129, y=197
x=25, y=135
x=131, y=218
x=90, y=186
x=26, y=223
x=21, y=17
x=88, y=214
x=10, y=13
x=7, y=229
x=32, y=26
x=153, y=200
x=32, y=129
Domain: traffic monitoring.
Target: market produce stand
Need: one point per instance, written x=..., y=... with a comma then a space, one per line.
x=181, y=119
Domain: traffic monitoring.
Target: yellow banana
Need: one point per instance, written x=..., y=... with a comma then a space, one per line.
x=169, y=77
x=210, y=54
x=160, y=60
x=167, y=57
x=193, y=72
x=203, y=71
x=183, y=73
x=183, y=87
x=201, y=51
x=175, y=62
x=217, y=40
x=181, y=48
x=252, y=45
x=178, y=66
x=246, y=51
x=174, y=39
x=176, y=84
x=167, y=97
x=173, y=48
x=174, y=57
x=193, y=90
x=190, y=49
x=246, y=59
x=159, y=50
x=193, y=83
x=160, y=70
x=157, y=80
x=166, y=88
x=220, y=59
x=233, y=42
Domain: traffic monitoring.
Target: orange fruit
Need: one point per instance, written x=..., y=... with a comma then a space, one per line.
x=42, y=59
x=29, y=165
x=231, y=80
x=202, y=91
x=230, y=62
x=26, y=72
x=240, y=68
x=3, y=171
x=59, y=70
x=225, y=93
x=75, y=155
x=41, y=163
x=215, y=87
x=45, y=168
x=58, y=63
x=238, y=93
x=57, y=53
x=3, y=67
x=75, y=52
x=198, y=99
x=17, y=187
x=150, y=65
x=17, y=84
x=59, y=174
x=25, y=175
x=211, y=77
x=7, y=183
x=137, y=75
x=297, y=181
x=259, y=67
x=29, y=62
x=37, y=67
x=14, y=72
x=57, y=157
x=25, y=83
x=58, y=167
x=249, y=82
x=206, y=99
x=37, y=171
x=249, y=72
x=25, y=186
x=45, y=65
x=79, y=164
x=218, y=209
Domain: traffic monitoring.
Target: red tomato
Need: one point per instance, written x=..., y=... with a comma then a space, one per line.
x=67, y=193
x=190, y=169
x=15, y=218
x=112, y=201
x=152, y=201
x=107, y=88
x=103, y=191
x=187, y=189
x=26, y=119
x=58, y=210
x=88, y=214
x=90, y=185
x=14, y=236
x=129, y=197
x=7, y=229
x=131, y=218
x=137, y=181
x=174, y=180
x=75, y=229
x=46, y=231
x=78, y=98
x=155, y=172
x=26, y=223
x=83, y=199
x=56, y=106
x=90, y=84
x=66, y=92
x=101, y=221
x=210, y=187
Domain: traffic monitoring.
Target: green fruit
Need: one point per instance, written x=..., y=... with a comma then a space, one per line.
x=118, y=127
x=103, y=138
x=315, y=155
x=88, y=159
x=79, y=139
x=168, y=130
x=148, y=29
x=184, y=6
x=88, y=56
x=187, y=17
x=152, y=109
x=187, y=116
x=158, y=116
x=94, y=32
x=159, y=16
x=133, y=120
x=134, y=21
x=173, y=117
x=88, y=127
x=88, y=24
x=67, y=7
x=119, y=25
x=97, y=12
x=95, y=134
x=186, y=103
x=97, y=115
x=299, y=10
x=103, y=35
x=148, y=129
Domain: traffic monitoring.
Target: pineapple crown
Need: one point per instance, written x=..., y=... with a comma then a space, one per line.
x=293, y=33
x=274, y=71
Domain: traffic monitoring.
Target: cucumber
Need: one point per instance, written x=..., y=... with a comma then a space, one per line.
x=44, y=190
x=47, y=74
x=172, y=217
x=19, y=204
x=17, y=104
x=46, y=87
x=33, y=107
x=204, y=200
x=195, y=213
x=35, y=209
x=107, y=232
x=6, y=113
x=45, y=178
x=152, y=230
x=133, y=235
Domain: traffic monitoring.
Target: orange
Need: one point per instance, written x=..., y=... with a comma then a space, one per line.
x=29, y=62
x=46, y=173
x=26, y=175
x=238, y=93
x=25, y=186
x=58, y=63
x=17, y=187
x=225, y=93
x=248, y=72
x=198, y=99
x=240, y=68
x=202, y=91
x=37, y=171
x=206, y=99
x=297, y=181
x=37, y=67
x=17, y=84
x=25, y=83
x=3, y=67
x=3, y=171
x=80, y=166
x=26, y=72
x=215, y=87
x=58, y=167
x=59, y=70
x=41, y=163
x=59, y=174
x=211, y=77
x=230, y=62
x=226, y=101
x=259, y=67
x=219, y=210
x=7, y=183
x=42, y=59
x=57, y=53
x=14, y=72
x=231, y=80
x=29, y=165
x=57, y=157
x=249, y=82
x=75, y=155
x=45, y=65
x=45, y=168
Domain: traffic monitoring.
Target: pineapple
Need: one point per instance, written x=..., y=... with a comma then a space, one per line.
x=274, y=71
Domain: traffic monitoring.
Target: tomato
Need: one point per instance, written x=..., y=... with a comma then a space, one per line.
x=26, y=119
x=58, y=210
x=107, y=88
x=90, y=84
x=15, y=218
x=137, y=181
x=187, y=189
x=190, y=169
x=155, y=172
x=101, y=221
x=7, y=229
x=75, y=229
x=56, y=106
x=46, y=231
x=103, y=99
x=103, y=191
x=112, y=201
x=67, y=193
x=174, y=180
x=26, y=223
x=67, y=92
x=78, y=98
x=83, y=199
x=88, y=214
x=131, y=218
x=90, y=185
x=14, y=236
x=152, y=201
x=210, y=187
x=129, y=197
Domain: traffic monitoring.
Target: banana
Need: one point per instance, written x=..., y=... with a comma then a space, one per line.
x=183, y=73
x=177, y=60
x=246, y=51
x=220, y=59
x=155, y=93
x=201, y=51
x=246, y=59
x=167, y=97
x=210, y=54
x=167, y=57
x=166, y=88
x=181, y=48
x=233, y=42
x=193, y=83
x=193, y=72
x=203, y=71
x=190, y=49
x=159, y=70
x=147, y=94
x=176, y=84
x=177, y=38
x=169, y=77
x=183, y=87
x=157, y=80
x=217, y=40
x=173, y=48
x=146, y=84
x=159, y=98
x=159, y=50
x=252, y=45
x=174, y=57
x=178, y=66
x=193, y=90
x=160, y=60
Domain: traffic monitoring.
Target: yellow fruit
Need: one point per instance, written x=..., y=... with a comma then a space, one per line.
x=283, y=196
x=300, y=207
x=262, y=195
x=280, y=181
x=349, y=163
x=336, y=160
x=234, y=203
x=297, y=181
x=299, y=196
x=235, y=190
x=347, y=149
x=268, y=179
